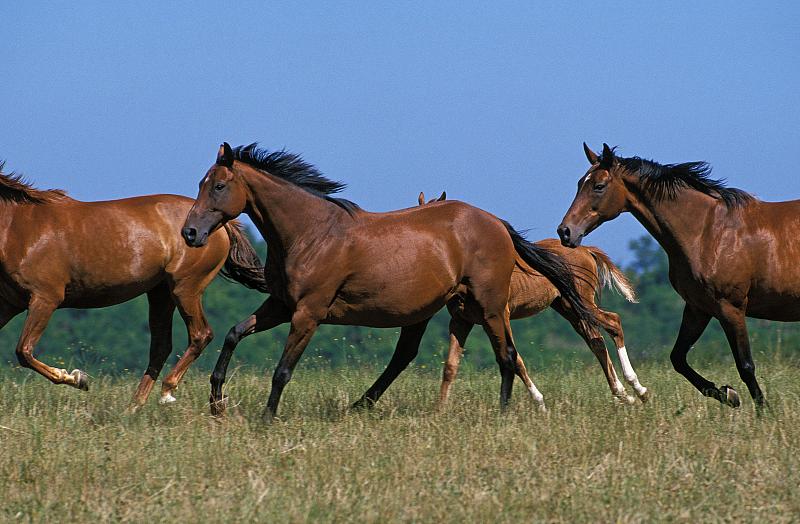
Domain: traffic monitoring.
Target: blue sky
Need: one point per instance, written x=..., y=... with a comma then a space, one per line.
x=490, y=101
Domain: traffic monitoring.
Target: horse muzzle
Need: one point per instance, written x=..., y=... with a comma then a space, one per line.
x=569, y=235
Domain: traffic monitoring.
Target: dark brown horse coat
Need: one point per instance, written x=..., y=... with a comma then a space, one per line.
x=730, y=254
x=57, y=252
x=329, y=261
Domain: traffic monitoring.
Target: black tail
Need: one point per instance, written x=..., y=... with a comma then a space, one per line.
x=243, y=265
x=552, y=267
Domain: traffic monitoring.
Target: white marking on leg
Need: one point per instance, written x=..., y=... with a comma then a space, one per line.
x=628, y=372
x=167, y=399
x=537, y=396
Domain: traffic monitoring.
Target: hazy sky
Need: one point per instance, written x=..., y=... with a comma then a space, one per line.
x=490, y=100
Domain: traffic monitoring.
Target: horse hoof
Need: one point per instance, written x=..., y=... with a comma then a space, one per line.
x=218, y=407
x=81, y=379
x=731, y=396
x=363, y=404
x=644, y=397
x=542, y=408
x=167, y=399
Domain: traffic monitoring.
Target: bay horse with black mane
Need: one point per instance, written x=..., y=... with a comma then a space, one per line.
x=57, y=252
x=531, y=293
x=329, y=261
x=731, y=255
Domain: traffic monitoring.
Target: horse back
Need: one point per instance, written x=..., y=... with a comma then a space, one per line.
x=93, y=254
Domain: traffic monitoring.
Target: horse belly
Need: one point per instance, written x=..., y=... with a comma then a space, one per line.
x=780, y=307
x=103, y=294
x=389, y=304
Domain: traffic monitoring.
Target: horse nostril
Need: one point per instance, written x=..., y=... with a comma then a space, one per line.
x=563, y=232
x=189, y=233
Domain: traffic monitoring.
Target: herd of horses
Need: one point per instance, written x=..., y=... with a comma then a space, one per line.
x=331, y=262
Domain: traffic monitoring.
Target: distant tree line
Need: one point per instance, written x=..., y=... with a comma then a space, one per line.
x=116, y=339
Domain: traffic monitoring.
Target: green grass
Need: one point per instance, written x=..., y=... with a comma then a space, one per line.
x=72, y=456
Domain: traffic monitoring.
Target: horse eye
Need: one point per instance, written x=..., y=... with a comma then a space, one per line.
x=599, y=187
x=219, y=187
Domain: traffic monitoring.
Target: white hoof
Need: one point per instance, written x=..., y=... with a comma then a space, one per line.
x=167, y=399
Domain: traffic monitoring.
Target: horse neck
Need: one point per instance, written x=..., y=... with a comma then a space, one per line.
x=286, y=214
x=676, y=224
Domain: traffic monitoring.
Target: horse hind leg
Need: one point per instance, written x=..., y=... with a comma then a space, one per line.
x=161, y=309
x=597, y=345
x=405, y=351
x=39, y=313
x=506, y=356
x=522, y=372
x=459, y=331
x=613, y=326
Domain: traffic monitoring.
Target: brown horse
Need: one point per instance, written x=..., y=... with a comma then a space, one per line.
x=730, y=254
x=531, y=293
x=58, y=252
x=331, y=262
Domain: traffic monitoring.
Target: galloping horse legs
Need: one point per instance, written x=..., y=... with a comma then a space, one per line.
x=733, y=323
x=39, y=312
x=692, y=326
x=495, y=327
x=268, y=315
x=405, y=351
x=304, y=324
x=613, y=326
x=597, y=345
x=162, y=308
x=199, y=333
x=459, y=331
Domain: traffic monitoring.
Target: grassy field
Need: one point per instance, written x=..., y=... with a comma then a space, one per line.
x=70, y=456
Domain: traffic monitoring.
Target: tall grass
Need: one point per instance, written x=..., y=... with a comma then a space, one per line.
x=69, y=456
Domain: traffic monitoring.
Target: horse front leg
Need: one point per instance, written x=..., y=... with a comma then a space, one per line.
x=693, y=324
x=268, y=315
x=305, y=322
x=733, y=323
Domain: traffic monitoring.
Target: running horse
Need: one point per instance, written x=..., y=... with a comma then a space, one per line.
x=329, y=261
x=731, y=255
x=531, y=293
x=58, y=252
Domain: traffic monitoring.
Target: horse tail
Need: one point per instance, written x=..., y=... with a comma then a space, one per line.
x=243, y=265
x=612, y=276
x=553, y=268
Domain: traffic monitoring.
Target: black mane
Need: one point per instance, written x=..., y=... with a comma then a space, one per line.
x=292, y=168
x=664, y=181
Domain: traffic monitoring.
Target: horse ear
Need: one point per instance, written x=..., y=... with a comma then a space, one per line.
x=608, y=157
x=225, y=155
x=421, y=198
x=591, y=156
x=442, y=197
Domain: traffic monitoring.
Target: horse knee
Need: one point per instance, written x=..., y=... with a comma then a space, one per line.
x=233, y=337
x=206, y=336
x=281, y=377
x=217, y=377
x=449, y=373
x=678, y=360
x=24, y=356
x=747, y=370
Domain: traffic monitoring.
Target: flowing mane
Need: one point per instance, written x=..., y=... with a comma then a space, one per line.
x=13, y=188
x=292, y=168
x=665, y=181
